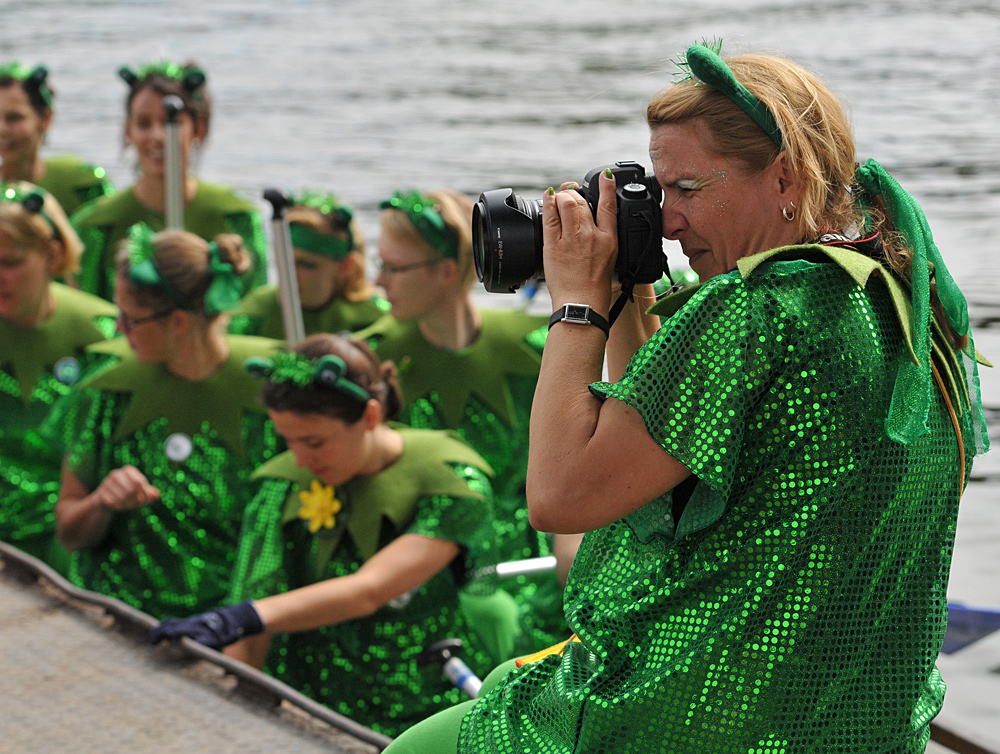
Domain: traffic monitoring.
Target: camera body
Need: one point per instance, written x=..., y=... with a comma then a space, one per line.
x=507, y=230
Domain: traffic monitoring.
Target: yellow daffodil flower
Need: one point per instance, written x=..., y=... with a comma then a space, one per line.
x=319, y=506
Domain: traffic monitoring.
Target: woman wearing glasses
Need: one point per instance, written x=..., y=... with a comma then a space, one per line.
x=469, y=370
x=163, y=443
x=45, y=328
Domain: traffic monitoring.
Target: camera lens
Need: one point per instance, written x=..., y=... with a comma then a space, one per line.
x=506, y=240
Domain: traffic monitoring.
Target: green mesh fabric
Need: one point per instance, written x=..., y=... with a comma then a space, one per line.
x=484, y=393
x=797, y=603
x=174, y=556
x=73, y=182
x=260, y=313
x=366, y=669
x=38, y=366
x=102, y=224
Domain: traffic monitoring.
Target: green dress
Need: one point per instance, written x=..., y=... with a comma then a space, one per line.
x=197, y=443
x=215, y=209
x=366, y=668
x=74, y=182
x=795, y=601
x=260, y=313
x=484, y=393
x=39, y=365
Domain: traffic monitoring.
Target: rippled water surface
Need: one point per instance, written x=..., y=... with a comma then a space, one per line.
x=367, y=97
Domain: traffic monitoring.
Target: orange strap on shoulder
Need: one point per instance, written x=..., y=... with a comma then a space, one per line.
x=543, y=653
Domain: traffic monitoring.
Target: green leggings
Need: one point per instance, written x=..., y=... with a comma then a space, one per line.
x=438, y=734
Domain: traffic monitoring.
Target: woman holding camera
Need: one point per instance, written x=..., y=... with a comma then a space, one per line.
x=770, y=489
x=209, y=209
x=469, y=370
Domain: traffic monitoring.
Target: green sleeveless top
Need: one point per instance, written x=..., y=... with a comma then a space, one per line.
x=259, y=313
x=215, y=209
x=197, y=443
x=796, y=601
x=366, y=668
x=38, y=366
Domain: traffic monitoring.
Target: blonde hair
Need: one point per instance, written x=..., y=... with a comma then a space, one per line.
x=456, y=211
x=182, y=260
x=352, y=283
x=30, y=230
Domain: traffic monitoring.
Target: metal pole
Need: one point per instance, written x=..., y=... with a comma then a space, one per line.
x=288, y=283
x=173, y=106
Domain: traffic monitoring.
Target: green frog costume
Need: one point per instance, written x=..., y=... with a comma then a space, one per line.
x=215, y=209
x=197, y=443
x=259, y=313
x=38, y=366
x=74, y=182
x=484, y=393
x=367, y=668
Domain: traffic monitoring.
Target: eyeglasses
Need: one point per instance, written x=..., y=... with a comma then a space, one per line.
x=392, y=269
x=127, y=324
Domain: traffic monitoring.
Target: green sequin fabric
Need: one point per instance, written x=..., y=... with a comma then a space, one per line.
x=366, y=669
x=174, y=556
x=260, y=313
x=103, y=223
x=484, y=393
x=797, y=602
x=38, y=366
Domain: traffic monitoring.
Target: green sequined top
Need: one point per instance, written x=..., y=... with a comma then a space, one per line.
x=259, y=313
x=39, y=365
x=197, y=443
x=796, y=603
x=215, y=209
x=73, y=182
x=484, y=393
x=366, y=669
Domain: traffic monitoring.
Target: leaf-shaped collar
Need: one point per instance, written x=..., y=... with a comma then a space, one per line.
x=219, y=400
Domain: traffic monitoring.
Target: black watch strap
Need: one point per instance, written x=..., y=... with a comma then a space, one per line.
x=580, y=314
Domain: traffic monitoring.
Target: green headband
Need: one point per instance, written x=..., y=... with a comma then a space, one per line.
x=192, y=79
x=427, y=220
x=703, y=62
x=309, y=239
x=33, y=201
x=31, y=78
x=223, y=291
x=327, y=371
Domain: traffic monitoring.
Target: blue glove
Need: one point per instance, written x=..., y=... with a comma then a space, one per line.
x=215, y=629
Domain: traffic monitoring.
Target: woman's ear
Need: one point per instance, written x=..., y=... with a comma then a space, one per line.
x=55, y=258
x=786, y=180
x=373, y=414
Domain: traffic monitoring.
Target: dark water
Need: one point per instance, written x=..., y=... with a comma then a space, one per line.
x=363, y=98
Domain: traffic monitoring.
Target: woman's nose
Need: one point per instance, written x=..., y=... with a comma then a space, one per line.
x=674, y=222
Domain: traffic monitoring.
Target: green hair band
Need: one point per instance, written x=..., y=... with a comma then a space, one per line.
x=703, y=62
x=223, y=291
x=419, y=208
x=191, y=78
x=311, y=240
x=33, y=201
x=327, y=371
x=31, y=78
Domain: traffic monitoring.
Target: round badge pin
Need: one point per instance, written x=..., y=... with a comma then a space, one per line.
x=178, y=447
x=67, y=370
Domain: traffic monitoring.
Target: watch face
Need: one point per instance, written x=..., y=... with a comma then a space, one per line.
x=577, y=312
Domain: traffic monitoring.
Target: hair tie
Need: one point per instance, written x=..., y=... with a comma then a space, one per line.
x=419, y=208
x=143, y=271
x=327, y=371
x=224, y=291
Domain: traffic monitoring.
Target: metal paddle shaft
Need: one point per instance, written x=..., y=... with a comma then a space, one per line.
x=284, y=260
x=173, y=106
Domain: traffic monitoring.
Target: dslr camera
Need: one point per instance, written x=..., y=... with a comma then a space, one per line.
x=507, y=230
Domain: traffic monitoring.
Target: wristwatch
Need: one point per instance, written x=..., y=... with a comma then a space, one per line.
x=580, y=314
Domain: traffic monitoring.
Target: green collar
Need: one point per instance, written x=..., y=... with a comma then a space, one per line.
x=219, y=401
x=483, y=368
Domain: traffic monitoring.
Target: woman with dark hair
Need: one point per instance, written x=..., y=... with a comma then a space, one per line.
x=353, y=551
x=209, y=209
x=157, y=470
x=26, y=100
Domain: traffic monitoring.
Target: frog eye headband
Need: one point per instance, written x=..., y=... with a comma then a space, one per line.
x=33, y=79
x=327, y=372
x=191, y=79
x=33, y=201
x=309, y=239
x=419, y=208
x=702, y=62
x=223, y=292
